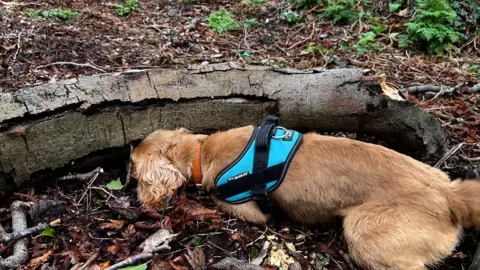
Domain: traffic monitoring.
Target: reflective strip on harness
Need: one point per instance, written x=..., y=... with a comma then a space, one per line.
x=240, y=183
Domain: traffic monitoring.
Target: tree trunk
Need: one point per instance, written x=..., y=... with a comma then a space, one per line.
x=45, y=127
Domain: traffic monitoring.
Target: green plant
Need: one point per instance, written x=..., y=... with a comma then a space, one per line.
x=245, y=54
x=135, y=267
x=127, y=8
x=255, y=2
x=431, y=29
x=342, y=11
x=32, y=13
x=367, y=42
x=200, y=241
x=251, y=23
x=48, y=232
x=312, y=49
x=222, y=21
x=290, y=17
x=473, y=69
x=395, y=6
x=115, y=185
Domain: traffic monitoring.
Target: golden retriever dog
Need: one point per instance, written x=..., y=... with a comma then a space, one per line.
x=398, y=213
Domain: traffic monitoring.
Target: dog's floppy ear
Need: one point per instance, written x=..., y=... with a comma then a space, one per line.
x=157, y=178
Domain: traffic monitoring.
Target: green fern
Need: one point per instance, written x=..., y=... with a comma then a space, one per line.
x=432, y=27
x=342, y=11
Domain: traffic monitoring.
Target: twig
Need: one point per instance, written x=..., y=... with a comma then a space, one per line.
x=72, y=64
x=262, y=254
x=104, y=190
x=84, y=177
x=449, y=154
x=474, y=88
x=303, y=41
x=139, y=257
x=18, y=45
x=90, y=260
x=420, y=89
x=129, y=169
x=469, y=158
x=347, y=259
x=9, y=237
x=94, y=177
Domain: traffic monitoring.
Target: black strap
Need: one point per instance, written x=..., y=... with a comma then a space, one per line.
x=260, y=163
x=257, y=180
x=262, y=143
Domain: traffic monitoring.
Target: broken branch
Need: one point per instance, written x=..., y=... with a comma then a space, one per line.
x=139, y=257
x=84, y=177
x=28, y=231
x=19, y=223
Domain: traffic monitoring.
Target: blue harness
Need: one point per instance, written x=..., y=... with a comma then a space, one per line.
x=261, y=167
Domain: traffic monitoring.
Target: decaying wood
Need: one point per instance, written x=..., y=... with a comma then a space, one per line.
x=46, y=127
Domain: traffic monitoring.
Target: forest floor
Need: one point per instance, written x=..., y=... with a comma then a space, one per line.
x=102, y=223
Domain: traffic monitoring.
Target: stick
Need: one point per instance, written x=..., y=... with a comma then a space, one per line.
x=347, y=259
x=449, y=154
x=129, y=169
x=72, y=64
x=19, y=223
x=94, y=177
x=90, y=260
x=469, y=158
x=474, y=88
x=262, y=254
x=9, y=237
x=83, y=177
x=139, y=257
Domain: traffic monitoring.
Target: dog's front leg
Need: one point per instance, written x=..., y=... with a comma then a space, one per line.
x=248, y=211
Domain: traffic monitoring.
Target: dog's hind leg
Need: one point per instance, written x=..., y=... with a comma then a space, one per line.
x=398, y=235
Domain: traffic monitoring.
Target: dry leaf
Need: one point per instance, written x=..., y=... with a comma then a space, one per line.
x=36, y=262
x=196, y=211
x=403, y=12
x=112, y=225
x=113, y=249
x=104, y=265
x=236, y=236
x=196, y=258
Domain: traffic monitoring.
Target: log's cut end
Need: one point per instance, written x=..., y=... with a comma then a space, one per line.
x=46, y=127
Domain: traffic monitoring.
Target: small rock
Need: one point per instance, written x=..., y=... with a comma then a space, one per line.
x=172, y=12
x=295, y=266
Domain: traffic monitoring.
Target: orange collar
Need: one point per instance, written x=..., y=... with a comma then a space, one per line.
x=197, y=168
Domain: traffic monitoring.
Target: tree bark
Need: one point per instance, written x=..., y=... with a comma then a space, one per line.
x=48, y=126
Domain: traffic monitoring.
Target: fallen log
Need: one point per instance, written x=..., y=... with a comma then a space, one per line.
x=48, y=126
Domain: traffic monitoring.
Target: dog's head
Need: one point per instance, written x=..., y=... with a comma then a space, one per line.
x=160, y=166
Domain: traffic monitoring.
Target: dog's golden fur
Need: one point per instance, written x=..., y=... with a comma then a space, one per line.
x=398, y=213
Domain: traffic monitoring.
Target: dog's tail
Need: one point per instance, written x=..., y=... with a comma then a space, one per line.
x=464, y=201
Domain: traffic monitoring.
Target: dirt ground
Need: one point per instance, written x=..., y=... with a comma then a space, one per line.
x=105, y=224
